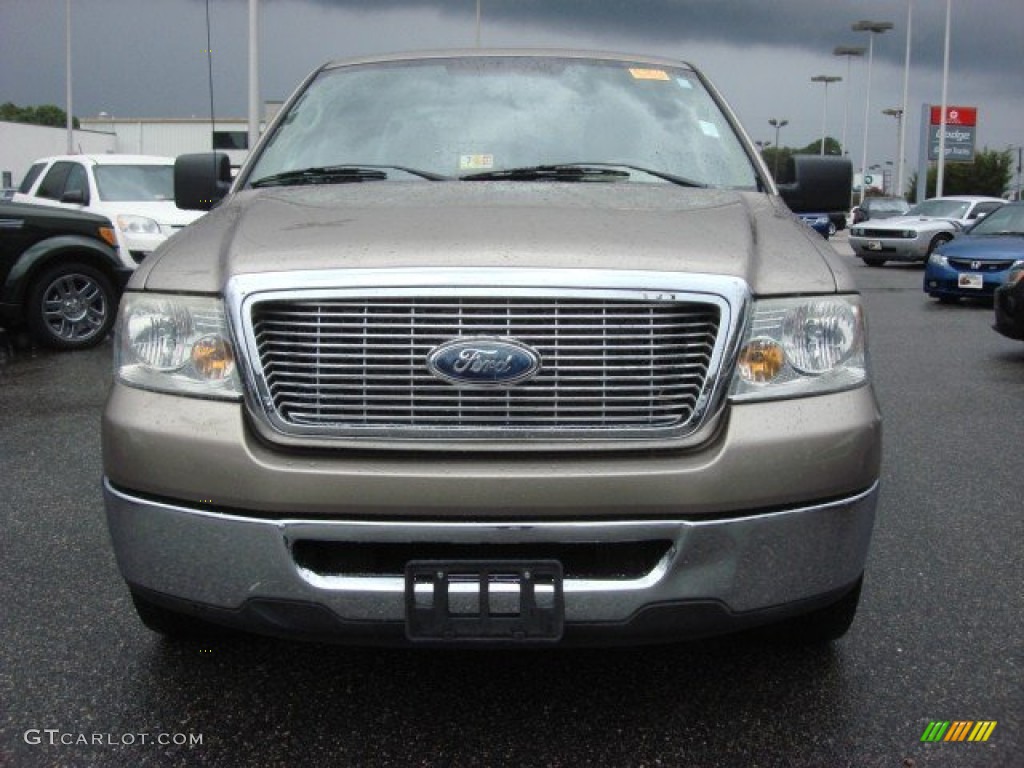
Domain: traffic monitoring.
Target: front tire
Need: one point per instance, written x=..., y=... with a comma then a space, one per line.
x=70, y=306
x=935, y=243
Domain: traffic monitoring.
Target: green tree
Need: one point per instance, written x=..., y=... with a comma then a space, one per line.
x=832, y=147
x=45, y=114
x=989, y=174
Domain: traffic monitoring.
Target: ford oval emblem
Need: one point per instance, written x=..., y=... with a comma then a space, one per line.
x=483, y=361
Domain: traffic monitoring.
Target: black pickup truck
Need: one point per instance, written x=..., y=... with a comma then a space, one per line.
x=61, y=274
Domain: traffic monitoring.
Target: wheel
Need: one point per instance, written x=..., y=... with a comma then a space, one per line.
x=180, y=626
x=820, y=626
x=872, y=261
x=936, y=242
x=70, y=306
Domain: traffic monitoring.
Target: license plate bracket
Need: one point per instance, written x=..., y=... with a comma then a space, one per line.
x=485, y=601
x=874, y=245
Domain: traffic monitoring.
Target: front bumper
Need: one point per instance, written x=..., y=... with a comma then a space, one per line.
x=716, y=575
x=891, y=248
x=945, y=281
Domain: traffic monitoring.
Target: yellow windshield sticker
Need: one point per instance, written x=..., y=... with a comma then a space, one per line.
x=648, y=74
x=476, y=162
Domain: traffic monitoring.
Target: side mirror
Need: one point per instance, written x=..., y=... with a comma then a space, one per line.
x=201, y=180
x=819, y=184
x=75, y=197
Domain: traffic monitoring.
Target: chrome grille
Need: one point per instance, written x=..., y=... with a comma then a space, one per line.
x=345, y=366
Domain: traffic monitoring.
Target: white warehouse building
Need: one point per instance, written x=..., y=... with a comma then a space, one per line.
x=21, y=144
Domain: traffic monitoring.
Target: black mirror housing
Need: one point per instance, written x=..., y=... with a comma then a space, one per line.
x=821, y=184
x=201, y=180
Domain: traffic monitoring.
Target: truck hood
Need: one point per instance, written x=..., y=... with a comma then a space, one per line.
x=611, y=226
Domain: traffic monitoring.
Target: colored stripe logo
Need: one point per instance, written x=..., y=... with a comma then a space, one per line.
x=958, y=730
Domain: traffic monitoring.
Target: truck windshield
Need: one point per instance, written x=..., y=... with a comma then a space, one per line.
x=467, y=117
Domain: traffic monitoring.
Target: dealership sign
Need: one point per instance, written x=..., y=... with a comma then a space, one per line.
x=961, y=124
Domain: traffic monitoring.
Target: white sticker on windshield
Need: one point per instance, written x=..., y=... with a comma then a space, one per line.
x=684, y=83
x=709, y=129
x=476, y=162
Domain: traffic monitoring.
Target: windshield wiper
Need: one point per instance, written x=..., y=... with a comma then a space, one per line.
x=674, y=178
x=561, y=172
x=577, y=172
x=339, y=174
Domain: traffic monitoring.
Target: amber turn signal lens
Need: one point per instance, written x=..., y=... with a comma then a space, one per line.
x=109, y=236
x=212, y=358
x=761, y=360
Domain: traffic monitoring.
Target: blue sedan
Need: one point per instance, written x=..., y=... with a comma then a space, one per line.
x=978, y=261
x=819, y=222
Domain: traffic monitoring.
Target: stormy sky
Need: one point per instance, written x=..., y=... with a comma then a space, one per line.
x=147, y=58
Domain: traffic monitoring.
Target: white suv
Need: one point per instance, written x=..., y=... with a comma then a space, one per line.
x=136, y=192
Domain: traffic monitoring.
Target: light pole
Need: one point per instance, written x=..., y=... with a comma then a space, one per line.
x=477, y=23
x=898, y=114
x=903, y=105
x=849, y=51
x=254, y=73
x=872, y=28
x=777, y=125
x=826, y=79
x=67, y=42
x=941, y=170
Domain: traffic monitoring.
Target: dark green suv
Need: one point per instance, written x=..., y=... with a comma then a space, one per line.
x=61, y=274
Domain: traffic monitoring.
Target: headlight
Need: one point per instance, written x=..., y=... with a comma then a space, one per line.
x=137, y=225
x=909, y=234
x=177, y=344
x=938, y=260
x=800, y=347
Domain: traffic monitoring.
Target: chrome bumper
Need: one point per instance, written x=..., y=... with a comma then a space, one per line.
x=744, y=564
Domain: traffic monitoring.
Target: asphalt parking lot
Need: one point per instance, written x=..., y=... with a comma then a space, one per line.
x=938, y=635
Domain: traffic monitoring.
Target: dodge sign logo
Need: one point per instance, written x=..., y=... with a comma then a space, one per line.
x=483, y=361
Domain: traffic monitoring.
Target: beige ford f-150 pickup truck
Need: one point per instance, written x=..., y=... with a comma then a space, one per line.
x=496, y=347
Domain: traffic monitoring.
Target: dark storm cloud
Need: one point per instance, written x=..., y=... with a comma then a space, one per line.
x=987, y=35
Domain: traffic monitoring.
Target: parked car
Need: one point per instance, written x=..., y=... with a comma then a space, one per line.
x=880, y=208
x=136, y=192
x=916, y=235
x=978, y=260
x=61, y=273
x=819, y=222
x=838, y=220
x=1009, y=303
x=496, y=347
